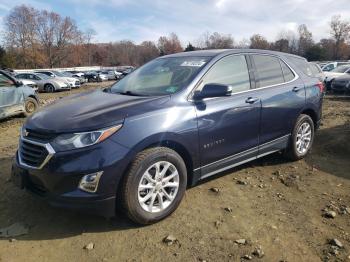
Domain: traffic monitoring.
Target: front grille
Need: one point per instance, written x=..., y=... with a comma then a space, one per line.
x=40, y=136
x=77, y=83
x=32, y=154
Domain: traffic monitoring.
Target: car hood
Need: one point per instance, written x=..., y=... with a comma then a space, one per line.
x=343, y=78
x=90, y=111
x=69, y=79
x=331, y=75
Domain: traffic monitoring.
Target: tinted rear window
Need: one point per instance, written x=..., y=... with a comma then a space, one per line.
x=268, y=69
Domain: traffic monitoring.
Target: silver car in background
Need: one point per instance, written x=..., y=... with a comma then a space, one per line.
x=74, y=83
x=44, y=82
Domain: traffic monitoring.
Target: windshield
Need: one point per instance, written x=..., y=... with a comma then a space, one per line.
x=161, y=76
x=341, y=69
x=42, y=76
x=58, y=73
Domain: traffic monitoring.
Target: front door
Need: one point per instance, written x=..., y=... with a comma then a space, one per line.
x=228, y=126
x=11, y=97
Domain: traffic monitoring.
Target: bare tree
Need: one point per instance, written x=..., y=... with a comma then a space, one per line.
x=292, y=39
x=89, y=35
x=20, y=26
x=215, y=41
x=259, y=42
x=47, y=25
x=169, y=45
x=305, y=40
x=147, y=52
x=340, y=31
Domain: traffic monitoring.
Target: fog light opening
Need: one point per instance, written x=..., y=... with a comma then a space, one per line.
x=89, y=183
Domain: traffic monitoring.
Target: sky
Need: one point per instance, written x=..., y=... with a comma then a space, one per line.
x=140, y=20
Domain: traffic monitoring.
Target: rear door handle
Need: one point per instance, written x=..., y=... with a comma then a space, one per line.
x=251, y=100
x=297, y=88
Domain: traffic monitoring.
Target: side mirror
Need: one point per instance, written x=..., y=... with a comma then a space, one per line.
x=213, y=90
x=19, y=83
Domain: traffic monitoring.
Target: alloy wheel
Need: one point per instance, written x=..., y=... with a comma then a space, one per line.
x=303, y=138
x=158, y=187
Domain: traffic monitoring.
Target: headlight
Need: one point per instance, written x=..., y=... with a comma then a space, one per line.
x=79, y=140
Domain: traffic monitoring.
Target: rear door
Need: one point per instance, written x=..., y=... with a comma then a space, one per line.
x=282, y=95
x=228, y=126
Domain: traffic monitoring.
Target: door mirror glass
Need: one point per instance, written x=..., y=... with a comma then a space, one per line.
x=212, y=90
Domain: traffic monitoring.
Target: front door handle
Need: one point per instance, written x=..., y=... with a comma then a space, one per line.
x=251, y=100
x=297, y=88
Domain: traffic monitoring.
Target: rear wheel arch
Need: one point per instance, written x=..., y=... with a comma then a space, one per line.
x=311, y=113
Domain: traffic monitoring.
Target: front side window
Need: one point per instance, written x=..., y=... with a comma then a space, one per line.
x=230, y=70
x=268, y=70
x=6, y=81
x=162, y=76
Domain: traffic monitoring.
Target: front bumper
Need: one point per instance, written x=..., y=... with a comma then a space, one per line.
x=57, y=181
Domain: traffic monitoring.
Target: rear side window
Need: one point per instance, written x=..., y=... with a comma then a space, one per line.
x=268, y=69
x=287, y=72
x=230, y=70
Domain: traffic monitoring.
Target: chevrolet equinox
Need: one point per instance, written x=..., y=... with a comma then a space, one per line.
x=169, y=124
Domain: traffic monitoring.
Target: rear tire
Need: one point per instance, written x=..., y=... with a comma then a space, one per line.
x=148, y=195
x=49, y=88
x=30, y=106
x=302, y=137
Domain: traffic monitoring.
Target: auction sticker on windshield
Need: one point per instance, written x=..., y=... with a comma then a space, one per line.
x=193, y=63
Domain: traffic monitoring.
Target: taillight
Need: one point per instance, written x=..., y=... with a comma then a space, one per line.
x=320, y=86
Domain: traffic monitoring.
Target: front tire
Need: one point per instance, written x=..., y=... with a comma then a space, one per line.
x=154, y=186
x=302, y=137
x=30, y=106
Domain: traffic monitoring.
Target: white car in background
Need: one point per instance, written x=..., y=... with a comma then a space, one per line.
x=336, y=72
x=330, y=66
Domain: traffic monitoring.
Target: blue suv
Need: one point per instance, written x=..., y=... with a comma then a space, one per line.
x=169, y=124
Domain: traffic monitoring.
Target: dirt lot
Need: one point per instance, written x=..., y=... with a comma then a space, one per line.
x=271, y=203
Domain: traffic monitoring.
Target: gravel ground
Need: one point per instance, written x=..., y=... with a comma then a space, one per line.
x=267, y=210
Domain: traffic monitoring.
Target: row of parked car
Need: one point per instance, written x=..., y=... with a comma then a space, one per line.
x=54, y=80
x=18, y=92
x=336, y=76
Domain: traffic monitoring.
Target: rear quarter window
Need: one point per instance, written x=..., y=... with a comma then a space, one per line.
x=287, y=72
